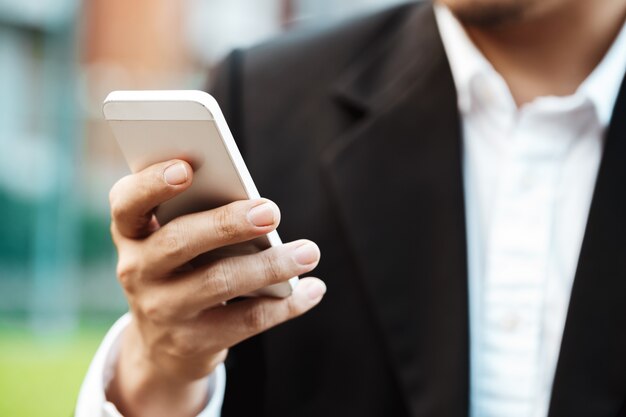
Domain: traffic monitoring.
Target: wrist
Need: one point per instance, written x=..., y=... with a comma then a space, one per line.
x=142, y=387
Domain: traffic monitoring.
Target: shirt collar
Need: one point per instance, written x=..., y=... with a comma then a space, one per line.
x=603, y=84
x=467, y=63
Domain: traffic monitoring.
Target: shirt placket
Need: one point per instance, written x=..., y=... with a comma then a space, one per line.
x=516, y=266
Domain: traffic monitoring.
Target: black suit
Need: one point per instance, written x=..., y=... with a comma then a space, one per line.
x=355, y=132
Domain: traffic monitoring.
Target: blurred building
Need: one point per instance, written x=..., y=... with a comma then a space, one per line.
x=38, y=164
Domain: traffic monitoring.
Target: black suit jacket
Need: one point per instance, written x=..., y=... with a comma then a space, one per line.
x=354, y=131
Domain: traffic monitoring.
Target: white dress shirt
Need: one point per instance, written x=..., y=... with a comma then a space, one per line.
x=529, y=178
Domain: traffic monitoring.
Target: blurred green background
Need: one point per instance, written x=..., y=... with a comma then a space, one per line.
x=58, y=60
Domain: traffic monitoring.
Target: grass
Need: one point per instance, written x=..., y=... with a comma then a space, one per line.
x=41, y=377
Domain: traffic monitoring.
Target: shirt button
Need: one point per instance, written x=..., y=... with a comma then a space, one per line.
x=510, y=322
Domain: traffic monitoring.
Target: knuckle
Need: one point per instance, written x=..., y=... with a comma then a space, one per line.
x=218, y=278
x=272, y=267
x=186, y=345
x=172, y=241
x=118, y=210
x=115, y=199
x=128, y=271
x=256, y=318
x=149, y=308
x=225, y=227
x=153, y=309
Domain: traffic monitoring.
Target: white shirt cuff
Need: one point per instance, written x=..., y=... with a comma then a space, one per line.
x=92, y=401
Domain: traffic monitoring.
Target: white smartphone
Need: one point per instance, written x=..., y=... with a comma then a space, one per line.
x=156, y=126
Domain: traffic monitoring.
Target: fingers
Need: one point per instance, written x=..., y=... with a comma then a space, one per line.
x=193, y=347
x=228, y=278
x=238, y=321
x=134, y=197
x=186, y=237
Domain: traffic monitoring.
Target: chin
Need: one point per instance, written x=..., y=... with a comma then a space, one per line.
x=489, y=12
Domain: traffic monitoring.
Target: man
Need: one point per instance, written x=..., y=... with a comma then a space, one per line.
x=461, y=167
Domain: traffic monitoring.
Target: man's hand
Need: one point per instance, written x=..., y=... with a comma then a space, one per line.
x=182, y=326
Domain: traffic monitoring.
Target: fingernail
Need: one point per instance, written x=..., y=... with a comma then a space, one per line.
x=263, y=215
x=175, y=174
x=316, y=290
x=306, y=254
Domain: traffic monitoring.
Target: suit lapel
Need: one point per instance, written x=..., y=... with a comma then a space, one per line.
x=591, y=372
x=397, y=181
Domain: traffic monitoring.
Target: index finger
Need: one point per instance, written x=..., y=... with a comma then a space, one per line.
x=134, y=197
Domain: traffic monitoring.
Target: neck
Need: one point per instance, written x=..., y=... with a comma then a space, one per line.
x=554, y=52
